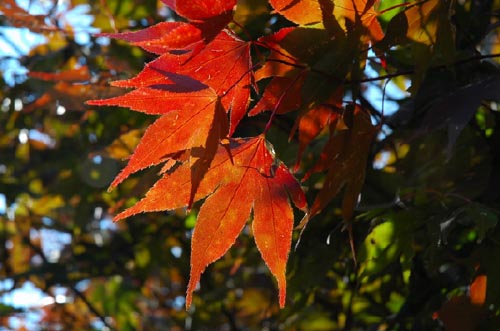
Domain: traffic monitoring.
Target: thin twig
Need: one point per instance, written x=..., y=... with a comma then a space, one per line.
x=388, y=76
x=91, y=307
x=412, y=71
x=77, y=292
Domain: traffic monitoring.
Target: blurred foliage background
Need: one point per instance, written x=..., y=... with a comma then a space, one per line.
x=426, y=226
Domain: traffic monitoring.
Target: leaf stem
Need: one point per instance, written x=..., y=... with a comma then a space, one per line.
x=277, y=50
x=291, y=64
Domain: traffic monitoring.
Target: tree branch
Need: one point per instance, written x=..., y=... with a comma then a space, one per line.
x=412, y=71
x=91, y=307
x=387, y=76
x=77, y=292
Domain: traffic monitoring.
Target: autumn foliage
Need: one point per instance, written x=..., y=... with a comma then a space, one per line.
x=205, y=71
x=295, y=164
x=201, y=85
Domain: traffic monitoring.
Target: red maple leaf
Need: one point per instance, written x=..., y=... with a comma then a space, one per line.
x=284, y=92
x=243, y=176
x=312, y=122
x=193, y=121
x=281, y=95
x=224, y=65
x=279, y=62
x=206, y=20
x=204, y=72
x=162, y=37
x=344, y=158
x=210, y=16
x=196, y=10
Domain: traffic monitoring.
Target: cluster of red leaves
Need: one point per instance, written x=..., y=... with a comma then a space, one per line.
x=200, y=87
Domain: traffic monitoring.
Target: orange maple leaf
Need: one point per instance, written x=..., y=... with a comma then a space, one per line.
x=177, y=130
x=243, y=176
x=301, y=12
x=309, y=12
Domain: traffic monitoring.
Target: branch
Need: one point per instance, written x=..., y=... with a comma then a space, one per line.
x=91, y=307
x=77, y=292
x=412, y=71
x=387, y=76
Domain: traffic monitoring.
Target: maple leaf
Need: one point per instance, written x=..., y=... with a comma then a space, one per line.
x=301, y=12
x=190, y=92
x=224, y=65
x=428, y=26
x=313, y=121
x=192, y=88
x=455, y=109
x=71, y=89
x=279, y=62
x=303, y=55
x=344, y=158
x=478, y=290
x=210, y=16
x=189, y=120
x=282, y=95
x=362, y=10
x=200, y=9
x=420, y=23
x=311, y=12
x=162, y=37
x=206, y=20
x=284, y=92
x=243, y=176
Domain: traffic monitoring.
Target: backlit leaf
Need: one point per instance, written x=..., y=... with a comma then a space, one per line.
x=478, y=290
x=282, y=94
x=243, y=177
x=301, y=12
x=362, y=11
x=187, y=122
x=312, y=122
x=209, y=16
x=344, y=158
x=201, y=9
x=162, y=37
x=224, y=65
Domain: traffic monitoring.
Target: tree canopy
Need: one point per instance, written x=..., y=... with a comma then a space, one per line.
x=291, y=164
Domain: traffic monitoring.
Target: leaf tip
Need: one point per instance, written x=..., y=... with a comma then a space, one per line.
x=282, y=290
x=193, y=282
x=188, y=300
x=111, y=187
x=93, y=102
x=118, y=179
x=119, y=217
